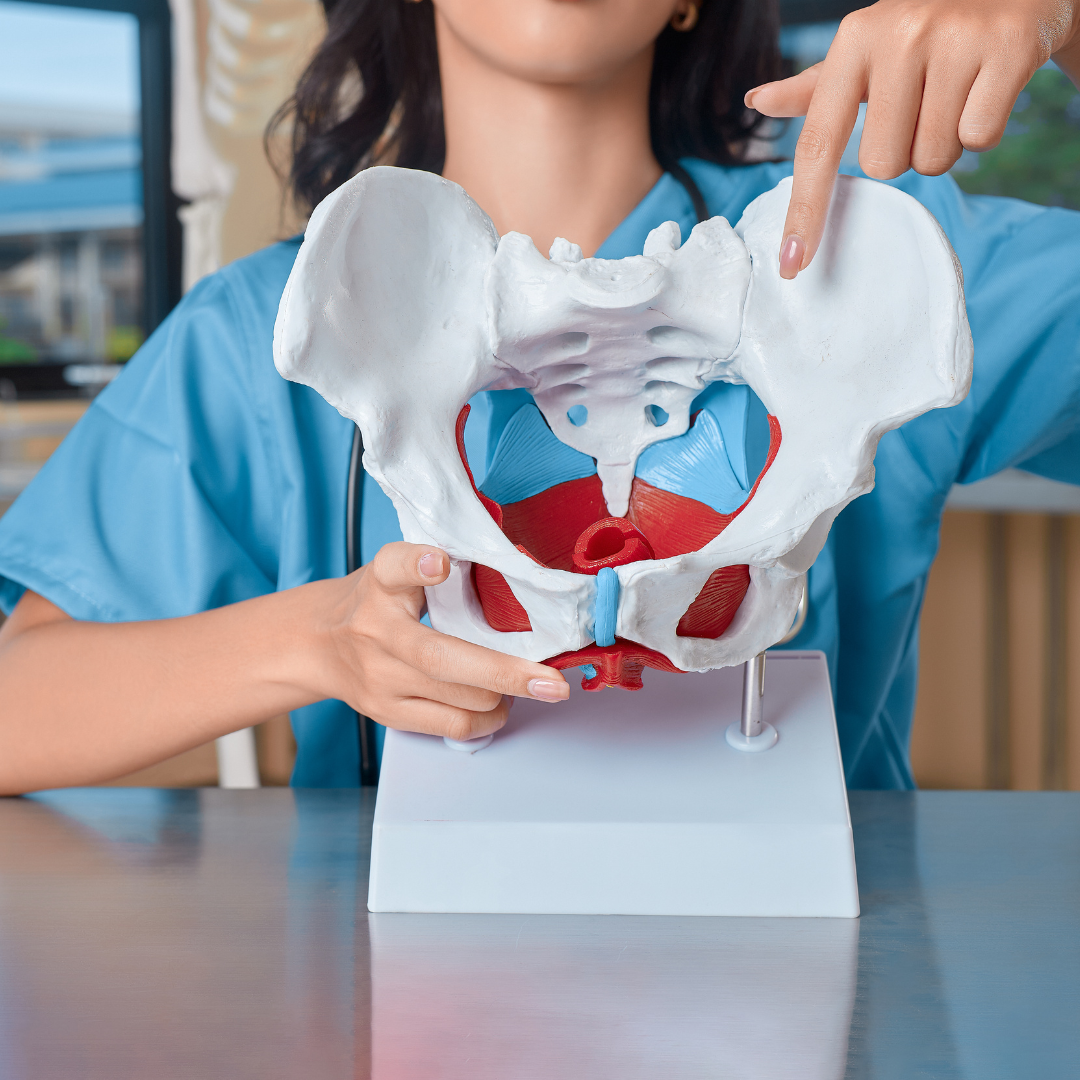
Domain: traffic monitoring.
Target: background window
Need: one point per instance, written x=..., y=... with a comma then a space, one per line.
x=71, y=210
x=89, y=241
x=88, y=235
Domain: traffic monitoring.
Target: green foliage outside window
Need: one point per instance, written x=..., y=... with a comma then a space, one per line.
x=1038, y=158
x=13, y=351
x=122, y=342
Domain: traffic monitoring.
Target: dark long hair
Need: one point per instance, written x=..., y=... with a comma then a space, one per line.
x=371, y=93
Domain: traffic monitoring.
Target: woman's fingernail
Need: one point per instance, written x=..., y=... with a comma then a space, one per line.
x=748, y=100
x=431, y=565
x=548, y=690
x=791, y=256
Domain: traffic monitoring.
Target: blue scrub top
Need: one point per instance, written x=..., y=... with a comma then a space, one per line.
x=200, y=477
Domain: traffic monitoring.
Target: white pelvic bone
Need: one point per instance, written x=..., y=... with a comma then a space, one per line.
x=404, y=302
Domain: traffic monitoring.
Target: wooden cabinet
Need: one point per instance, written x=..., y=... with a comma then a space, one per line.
x=999, y=678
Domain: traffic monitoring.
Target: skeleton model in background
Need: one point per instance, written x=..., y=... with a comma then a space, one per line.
x=615, y=529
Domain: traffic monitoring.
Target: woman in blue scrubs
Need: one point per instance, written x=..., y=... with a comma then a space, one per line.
x=176, y=570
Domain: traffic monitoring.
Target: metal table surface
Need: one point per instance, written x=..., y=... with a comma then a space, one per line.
x=161, y=934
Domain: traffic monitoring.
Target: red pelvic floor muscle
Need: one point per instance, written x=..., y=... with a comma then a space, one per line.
x=549, y=524
x=501, y=607
x=555, y=528
x=620, y=664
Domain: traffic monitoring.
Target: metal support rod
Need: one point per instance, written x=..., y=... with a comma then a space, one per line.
x=753, y=690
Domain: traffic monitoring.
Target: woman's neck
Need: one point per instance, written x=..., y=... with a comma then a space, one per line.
x=547, y=159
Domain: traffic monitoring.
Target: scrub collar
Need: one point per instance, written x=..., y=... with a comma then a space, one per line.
x=666, y=201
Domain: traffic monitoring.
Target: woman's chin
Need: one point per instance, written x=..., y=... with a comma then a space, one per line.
x=553, y=41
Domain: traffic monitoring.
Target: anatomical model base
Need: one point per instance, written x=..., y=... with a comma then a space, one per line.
x=620, y=525
x=626, y=804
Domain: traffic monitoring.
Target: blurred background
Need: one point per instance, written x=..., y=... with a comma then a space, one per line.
x=132, y=164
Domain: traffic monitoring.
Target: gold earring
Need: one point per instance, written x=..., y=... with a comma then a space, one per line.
x=686, y=19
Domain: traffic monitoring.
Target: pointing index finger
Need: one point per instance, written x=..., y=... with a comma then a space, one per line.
x=830, y=120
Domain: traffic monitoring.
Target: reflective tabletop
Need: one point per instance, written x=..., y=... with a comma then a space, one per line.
x=198, y=934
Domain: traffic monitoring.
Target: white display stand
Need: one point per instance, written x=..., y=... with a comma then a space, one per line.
x=626, y=803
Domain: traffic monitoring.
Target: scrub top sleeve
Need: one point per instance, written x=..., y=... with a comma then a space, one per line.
x=161, y=501
x=1022, y=285
x=1061, y=462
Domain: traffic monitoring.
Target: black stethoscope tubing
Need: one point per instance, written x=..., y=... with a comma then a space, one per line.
x=365, y=726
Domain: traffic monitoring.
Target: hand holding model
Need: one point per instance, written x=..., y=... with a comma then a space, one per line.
x=393, y=668
x=134, y=693
x=937, y=76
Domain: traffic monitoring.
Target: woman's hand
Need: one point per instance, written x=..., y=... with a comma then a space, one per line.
x=389, y=666
x=131, y=694
x=936, y=75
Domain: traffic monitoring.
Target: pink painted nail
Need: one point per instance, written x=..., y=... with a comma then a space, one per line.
x=748, y=98
x=791, y=256
x=548, y=690
x=430, y=565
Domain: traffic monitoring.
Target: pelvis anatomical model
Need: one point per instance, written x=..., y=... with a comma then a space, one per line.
x=404, y=302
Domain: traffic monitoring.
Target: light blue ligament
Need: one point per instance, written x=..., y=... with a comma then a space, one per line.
x=530, y=459
x=607, y=606
x=697, y=465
